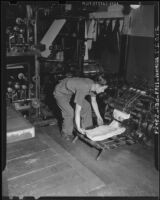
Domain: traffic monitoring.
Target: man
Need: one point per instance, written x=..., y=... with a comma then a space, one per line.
x=81, y=116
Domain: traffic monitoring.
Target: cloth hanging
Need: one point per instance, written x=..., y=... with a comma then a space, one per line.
x=92, y=33
x=92, y=52
x=86, y=44
x=108, y=37
x=121, y=21
x=98, y=28
x=109, y=29
x=113, y=24
x=111, y=39
x=116, y=36
x=99, y=45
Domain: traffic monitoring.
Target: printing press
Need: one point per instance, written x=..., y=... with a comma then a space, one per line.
x=128, y=112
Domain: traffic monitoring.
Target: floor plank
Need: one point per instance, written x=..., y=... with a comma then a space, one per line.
x=17, y=186
x=32, y=162
x=75, y=187
x=81, y=170
x=22, y=148
x=42, y=187
x=4, y=183
x=52, y=171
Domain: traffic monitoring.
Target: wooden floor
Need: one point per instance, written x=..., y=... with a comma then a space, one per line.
x=50, y=166
x=126, y=171
x=41, y=167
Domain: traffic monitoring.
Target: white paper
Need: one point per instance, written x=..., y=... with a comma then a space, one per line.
x=107, y=131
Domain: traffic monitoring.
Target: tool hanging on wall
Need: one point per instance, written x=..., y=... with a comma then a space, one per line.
x=108, y=33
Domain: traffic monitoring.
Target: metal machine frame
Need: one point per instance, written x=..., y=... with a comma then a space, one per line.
x=107, y=144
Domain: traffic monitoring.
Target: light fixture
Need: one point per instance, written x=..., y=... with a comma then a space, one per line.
x=134, y=6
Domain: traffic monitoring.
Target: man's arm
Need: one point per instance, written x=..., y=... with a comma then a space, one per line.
x=96, y=110
x=78, y=118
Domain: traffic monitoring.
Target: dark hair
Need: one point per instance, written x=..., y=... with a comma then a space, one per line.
x=100, y=79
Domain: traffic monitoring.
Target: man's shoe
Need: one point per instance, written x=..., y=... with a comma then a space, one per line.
x=63, y=134
x=68, y=137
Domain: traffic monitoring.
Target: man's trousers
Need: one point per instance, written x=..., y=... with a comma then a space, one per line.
x=68, y=114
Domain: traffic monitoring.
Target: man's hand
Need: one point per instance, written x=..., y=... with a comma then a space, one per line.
x=100, y=121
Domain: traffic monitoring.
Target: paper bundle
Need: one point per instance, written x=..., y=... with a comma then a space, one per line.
x=107, y=131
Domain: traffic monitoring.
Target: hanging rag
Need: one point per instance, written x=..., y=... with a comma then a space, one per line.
x=92, y=33
x=92, y=52
x=116, y=37
x=121, y=25
x=99, y=45
x=86, y=44
x=108, y=37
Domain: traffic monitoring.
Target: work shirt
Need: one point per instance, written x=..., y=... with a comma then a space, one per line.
x=81, y=87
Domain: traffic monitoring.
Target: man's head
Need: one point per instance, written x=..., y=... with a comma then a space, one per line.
x=98, y=88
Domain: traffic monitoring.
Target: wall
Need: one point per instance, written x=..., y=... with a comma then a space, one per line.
x=140, y=59
x=141, y=21
x=112, y=11
x=140, y=53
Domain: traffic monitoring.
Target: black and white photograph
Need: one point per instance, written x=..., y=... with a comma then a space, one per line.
x=80, y=99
